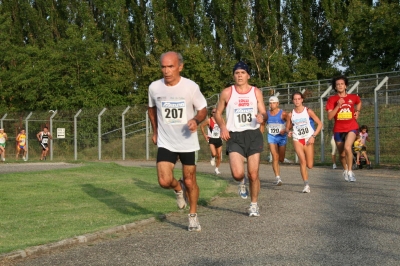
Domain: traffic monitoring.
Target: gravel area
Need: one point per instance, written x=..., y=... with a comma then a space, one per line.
x=338, y=223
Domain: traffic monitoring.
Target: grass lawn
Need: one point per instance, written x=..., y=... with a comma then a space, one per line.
x=47, y=206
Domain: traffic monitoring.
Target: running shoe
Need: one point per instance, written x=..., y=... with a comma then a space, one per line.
x=212, y=161
x=369, y=167
x=181, y=199
x=306, y=189
x=334, y=166
x=352, y=177
x=243, y=192
x=217, y=172
x=278, y=182
x=254, y=210
x=23, y=158
x=345, y=175
x=194, y=225
x=3, y=159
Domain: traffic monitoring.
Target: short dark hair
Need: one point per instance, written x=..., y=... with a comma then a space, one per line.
x=344, y=78
x=364, y=127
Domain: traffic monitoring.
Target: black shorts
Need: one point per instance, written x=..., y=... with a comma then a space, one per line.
x=187, y=158
x=44, y=146
x=217, y=142
x=246, y=143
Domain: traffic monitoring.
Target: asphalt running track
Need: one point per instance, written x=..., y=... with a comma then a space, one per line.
x=338, y=223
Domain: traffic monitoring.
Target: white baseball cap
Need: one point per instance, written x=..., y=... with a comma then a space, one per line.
x=273, y=99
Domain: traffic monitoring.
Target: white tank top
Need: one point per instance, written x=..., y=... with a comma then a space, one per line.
x=213, y=130
x=241, y=111
x=302, y=128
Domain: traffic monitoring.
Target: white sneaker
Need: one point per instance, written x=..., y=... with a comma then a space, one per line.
x=243, y=191
x=334, y=166
x=345, y=175
x=306, y=189
x=194, y=225
x=217, y=172
x=286, y=161
x=278, y=182
x=212, y=161
x=352, y=177
x=181, y=200
x=254, y=210
x=3, y=159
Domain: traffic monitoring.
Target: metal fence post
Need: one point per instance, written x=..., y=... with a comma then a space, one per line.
x=123, y=132
x=27, y=134
x=51, y=133
x=1, y=121
x=147, y=136
x=321, y=109
x=75, y=135
x=99, y=130
x=377, y=152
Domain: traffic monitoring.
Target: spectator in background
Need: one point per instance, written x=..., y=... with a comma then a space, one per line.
x=364, y=139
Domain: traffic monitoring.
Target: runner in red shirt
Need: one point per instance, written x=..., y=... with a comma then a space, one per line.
x=344, y=109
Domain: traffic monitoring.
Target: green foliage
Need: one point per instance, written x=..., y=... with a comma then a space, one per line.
x=367, y=53
x=77, y=54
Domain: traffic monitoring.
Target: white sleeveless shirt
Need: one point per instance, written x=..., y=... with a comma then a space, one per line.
x=302, y=128
x=241, y=111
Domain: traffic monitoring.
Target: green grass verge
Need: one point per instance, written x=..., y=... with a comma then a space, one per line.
x=47, y=206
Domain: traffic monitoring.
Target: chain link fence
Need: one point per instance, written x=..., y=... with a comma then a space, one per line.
x=124, y=132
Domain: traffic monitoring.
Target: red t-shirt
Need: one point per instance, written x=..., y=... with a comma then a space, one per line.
x=344, y=118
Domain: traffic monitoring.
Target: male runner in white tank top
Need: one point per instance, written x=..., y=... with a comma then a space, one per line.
x=173, y=101
x=245, y=110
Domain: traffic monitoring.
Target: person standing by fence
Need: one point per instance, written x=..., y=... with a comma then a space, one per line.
x=214, y=140
x=345, y=110
x=245, y=110
x=3, y=139
x=172, y=104
x=304, y=135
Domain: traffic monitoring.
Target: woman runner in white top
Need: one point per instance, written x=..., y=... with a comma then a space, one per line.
x=303, y=135
x=213, y=137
